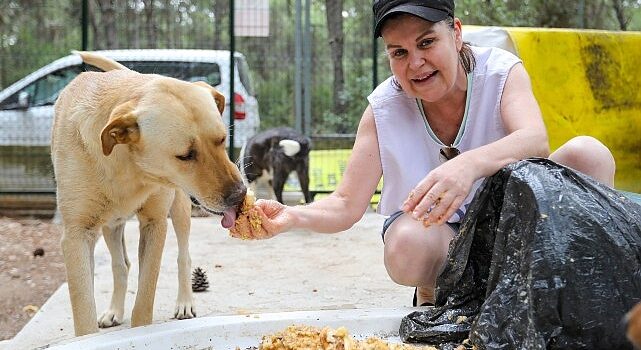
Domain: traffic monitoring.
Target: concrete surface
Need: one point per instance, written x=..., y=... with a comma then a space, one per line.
x=296, y=271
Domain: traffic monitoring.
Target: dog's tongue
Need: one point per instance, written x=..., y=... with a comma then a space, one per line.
x=229, y=216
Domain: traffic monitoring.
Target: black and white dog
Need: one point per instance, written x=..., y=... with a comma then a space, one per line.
x=272, y=155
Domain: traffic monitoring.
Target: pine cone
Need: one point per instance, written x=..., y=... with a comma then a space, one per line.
x=199, y=281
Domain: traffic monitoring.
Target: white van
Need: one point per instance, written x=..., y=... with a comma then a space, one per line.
x=26, y=107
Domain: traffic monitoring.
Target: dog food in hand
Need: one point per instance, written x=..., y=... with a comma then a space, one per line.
x=248, y=224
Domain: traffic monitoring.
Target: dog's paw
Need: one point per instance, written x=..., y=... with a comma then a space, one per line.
x=110, y=318
x=184, y=311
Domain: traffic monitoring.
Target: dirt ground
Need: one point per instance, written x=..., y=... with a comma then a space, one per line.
x=31, y=269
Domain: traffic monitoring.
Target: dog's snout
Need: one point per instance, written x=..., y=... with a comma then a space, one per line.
x=235, y=195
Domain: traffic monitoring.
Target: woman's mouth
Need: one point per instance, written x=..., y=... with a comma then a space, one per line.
x=425, y=77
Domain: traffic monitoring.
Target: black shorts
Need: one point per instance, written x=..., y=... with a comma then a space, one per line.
x=455, y=226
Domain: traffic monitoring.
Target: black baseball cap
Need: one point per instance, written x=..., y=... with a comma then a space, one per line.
x=429, y=10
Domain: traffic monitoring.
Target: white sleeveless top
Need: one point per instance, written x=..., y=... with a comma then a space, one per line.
x=409, y=149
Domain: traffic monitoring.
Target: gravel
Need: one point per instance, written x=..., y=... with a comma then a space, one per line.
x=31, y=269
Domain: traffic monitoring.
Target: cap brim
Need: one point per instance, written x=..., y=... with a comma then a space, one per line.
x=426, y=13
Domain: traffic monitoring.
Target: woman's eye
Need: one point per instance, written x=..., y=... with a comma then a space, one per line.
x=398, y=53
x=191, y=155
x=425, y=43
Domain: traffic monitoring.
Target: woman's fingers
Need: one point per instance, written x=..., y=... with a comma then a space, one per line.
x=432, y=200
x=436, y=208
x=417, y=194
x=451, y=210
x=443, y=211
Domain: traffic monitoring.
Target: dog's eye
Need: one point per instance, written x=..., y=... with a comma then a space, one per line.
x=191, y=155
x=221, y=141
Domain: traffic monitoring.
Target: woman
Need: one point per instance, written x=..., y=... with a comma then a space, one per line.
x=449, y=116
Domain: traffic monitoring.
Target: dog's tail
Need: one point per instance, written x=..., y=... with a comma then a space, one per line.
x=290, y=147
x=99, y=61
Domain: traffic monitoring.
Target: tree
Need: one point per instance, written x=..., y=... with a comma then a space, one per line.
x=108, y=18
x=620, y=15
x=334, y=15
x=150, y=24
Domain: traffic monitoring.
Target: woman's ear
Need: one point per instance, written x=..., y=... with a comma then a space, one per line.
x=458, y=34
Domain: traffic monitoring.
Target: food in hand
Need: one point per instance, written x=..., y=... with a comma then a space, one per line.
x=248, y=223
x=297, y=337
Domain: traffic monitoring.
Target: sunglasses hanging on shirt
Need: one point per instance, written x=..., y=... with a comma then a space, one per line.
x=447, y=153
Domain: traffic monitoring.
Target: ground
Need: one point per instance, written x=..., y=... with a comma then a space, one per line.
x=28, y=279
x=31, y=269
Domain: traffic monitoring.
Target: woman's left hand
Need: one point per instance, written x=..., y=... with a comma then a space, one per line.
x=440, y=194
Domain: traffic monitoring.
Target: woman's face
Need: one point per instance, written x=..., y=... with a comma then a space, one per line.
x=423, y=56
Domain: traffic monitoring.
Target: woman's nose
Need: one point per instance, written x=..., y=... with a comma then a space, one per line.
x=416, y=60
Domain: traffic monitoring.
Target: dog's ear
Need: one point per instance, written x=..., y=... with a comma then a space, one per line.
x=122, y=127
x=218, y=97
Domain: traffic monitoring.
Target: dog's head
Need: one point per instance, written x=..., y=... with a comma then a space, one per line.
x=174, y=132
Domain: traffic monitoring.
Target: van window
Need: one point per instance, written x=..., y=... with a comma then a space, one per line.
x=245, y=79
x=45, y=90
x=188, y=71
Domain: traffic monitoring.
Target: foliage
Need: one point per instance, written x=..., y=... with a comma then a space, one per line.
x=34, y=32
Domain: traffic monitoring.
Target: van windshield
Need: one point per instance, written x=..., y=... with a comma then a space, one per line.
x=188, y=71
x=245, y=79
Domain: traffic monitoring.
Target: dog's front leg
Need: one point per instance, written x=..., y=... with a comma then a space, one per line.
x=153, y=231
x=77, y=248
x=115, y=239
x=180, y=213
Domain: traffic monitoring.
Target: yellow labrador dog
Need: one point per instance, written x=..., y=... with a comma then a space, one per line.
x=127, y=143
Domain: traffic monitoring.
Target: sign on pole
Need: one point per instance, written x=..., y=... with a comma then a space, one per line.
x=251, y=18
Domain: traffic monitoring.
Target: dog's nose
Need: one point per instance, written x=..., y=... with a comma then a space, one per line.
x=236, y=195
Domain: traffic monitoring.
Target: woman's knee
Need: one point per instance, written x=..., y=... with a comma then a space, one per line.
x=589, y=156
x=412, y=255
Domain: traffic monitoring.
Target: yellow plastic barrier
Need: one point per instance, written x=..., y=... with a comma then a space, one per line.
x=588, y=83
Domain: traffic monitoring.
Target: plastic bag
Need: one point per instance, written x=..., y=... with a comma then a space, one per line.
x=546, y=258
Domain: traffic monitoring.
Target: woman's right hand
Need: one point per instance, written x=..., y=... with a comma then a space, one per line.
x=274, y=218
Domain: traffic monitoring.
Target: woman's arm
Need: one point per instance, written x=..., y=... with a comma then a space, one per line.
x=346, y=205
x=526, y=133
x=445, y=188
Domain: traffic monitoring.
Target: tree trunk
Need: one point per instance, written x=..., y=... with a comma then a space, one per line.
x=620, y=14
x=220, y=11
x=150, y=24
x=168, y=23
x=130, y=17
x=335, y=36
x=108, y=17
x=94, y=26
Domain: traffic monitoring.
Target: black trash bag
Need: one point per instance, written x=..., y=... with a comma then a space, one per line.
x=547, y=258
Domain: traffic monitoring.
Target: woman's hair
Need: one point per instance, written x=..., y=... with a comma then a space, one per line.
x=465, y=56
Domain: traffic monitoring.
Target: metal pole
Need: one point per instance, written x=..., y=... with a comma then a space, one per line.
x=85, y=24
x=298, y=69
x=232, y=48
x=307, y=71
